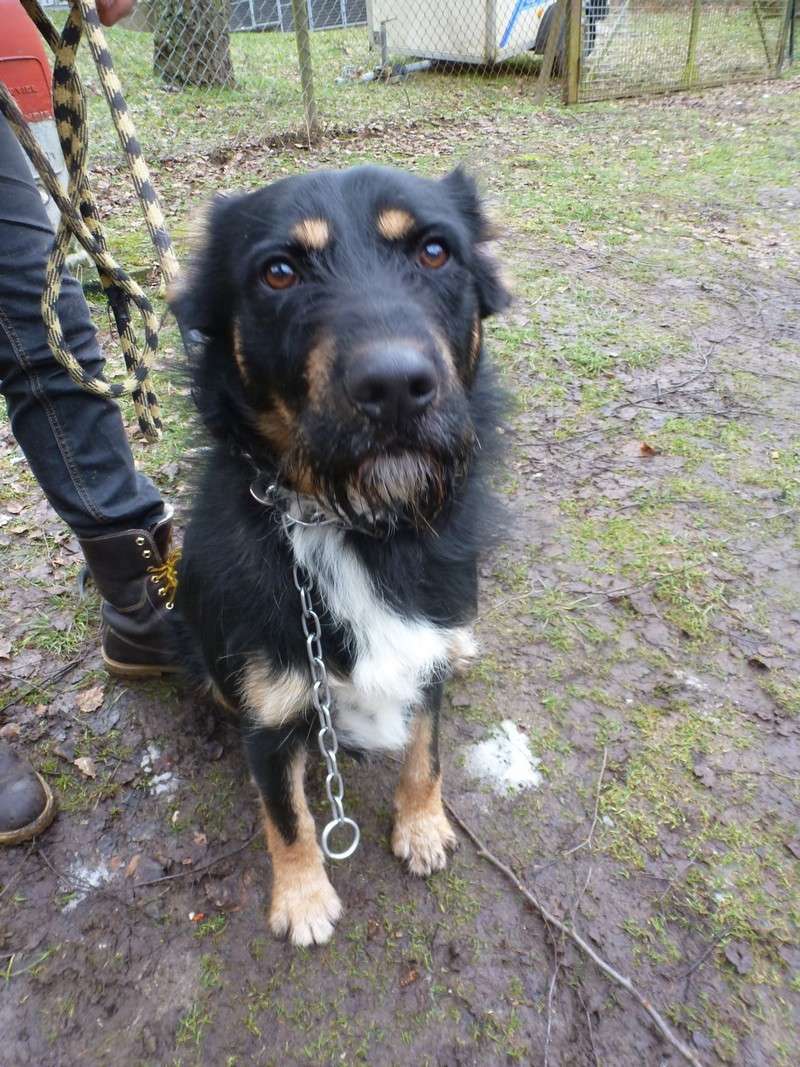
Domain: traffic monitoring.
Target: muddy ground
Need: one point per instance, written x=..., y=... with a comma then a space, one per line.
x=640, y=627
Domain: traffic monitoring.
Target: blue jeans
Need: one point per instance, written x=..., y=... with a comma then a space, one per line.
x=74, y=441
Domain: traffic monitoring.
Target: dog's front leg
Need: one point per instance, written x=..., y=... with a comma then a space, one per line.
x=304, y=903
x=421, y=832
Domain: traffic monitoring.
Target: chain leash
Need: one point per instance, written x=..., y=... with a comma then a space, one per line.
x=268, y=493
x=322, y=701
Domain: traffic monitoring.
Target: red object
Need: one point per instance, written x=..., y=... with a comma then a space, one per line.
x=24, y=69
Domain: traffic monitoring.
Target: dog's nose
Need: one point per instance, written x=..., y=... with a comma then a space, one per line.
x=392, y=383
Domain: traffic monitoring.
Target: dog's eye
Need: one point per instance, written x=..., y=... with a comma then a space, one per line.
x=433, y=255
x=279, y=274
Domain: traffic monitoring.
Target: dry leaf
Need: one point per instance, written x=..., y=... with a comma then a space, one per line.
x=408, y=977
x=133, y=865
x=90, y=700
x=646, y=449
x=85, y=765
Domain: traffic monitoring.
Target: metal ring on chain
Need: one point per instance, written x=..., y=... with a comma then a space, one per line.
x=344, y=853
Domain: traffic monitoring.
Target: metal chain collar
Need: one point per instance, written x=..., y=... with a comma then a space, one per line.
x=320, y=690
x=321, y=698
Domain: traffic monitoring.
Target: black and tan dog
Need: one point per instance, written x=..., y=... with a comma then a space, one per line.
x=341, y=359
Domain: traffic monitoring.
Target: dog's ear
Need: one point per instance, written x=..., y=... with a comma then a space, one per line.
x=493, y=293
x=200, y=298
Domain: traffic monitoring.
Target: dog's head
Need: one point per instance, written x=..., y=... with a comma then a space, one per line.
x=342, y=314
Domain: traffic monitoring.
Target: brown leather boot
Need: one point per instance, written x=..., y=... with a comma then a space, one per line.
x=134, y=572
x=27, y=806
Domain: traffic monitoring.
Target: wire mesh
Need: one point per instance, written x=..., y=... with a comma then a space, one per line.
x=203, y=73
x=199, y=74
x=644, y=46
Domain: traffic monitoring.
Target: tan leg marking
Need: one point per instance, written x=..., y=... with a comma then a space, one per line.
x=273, y=697
x=304, y=903
x=394, y=224
x=421, y=832
x=313, y=234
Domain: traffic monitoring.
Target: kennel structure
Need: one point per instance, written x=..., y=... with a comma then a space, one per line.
x=457, y=31
x=277, y=14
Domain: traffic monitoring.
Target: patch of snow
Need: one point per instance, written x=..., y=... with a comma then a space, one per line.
x=691, y=682
x=163, y=783
x=85, y=878
x=152, y=752
x=504, y=761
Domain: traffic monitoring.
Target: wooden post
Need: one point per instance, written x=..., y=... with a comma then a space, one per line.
x=690, y=71
x=762, y=31
x=300, y=15
x=546, y=71
x=783, y=36
x=573, y=79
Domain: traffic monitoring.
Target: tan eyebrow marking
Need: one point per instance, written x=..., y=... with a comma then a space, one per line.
x=394, y=223
x=314, y=234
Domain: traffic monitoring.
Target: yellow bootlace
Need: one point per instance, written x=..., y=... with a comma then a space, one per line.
x=166, y=575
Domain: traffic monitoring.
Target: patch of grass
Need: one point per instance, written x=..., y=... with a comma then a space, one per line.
x=645, y=799
x=785, y=691
x=705, y=438
x=455, y=897
x=211, y=927
x=192, y=1026
x=217, y=806
x=210, y=971
x=80, y=621
x=676, y=567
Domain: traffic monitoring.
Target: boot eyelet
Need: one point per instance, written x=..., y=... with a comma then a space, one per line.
x=154, y=579
x=147, y=553
x=169, y=606
x=162, y=591
x=139, y=540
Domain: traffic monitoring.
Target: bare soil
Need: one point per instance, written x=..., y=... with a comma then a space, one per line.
x=640, y=624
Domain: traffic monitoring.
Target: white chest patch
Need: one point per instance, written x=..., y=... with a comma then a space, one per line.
x=395, y=656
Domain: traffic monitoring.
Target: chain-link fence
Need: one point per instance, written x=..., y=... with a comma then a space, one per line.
x=656, y=45
x=202, y=73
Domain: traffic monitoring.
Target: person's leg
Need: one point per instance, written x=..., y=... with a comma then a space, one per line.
x=74, y=441
x=76, y=445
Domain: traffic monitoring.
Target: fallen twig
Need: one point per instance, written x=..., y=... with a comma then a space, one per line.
x=701, y=959
x=203, y=866
x=575, y=937
x=42, y=685
x=550, y=992
x=587, y=842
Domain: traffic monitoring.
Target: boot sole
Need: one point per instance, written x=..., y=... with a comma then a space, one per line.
x=137, y=670
x=39, y=825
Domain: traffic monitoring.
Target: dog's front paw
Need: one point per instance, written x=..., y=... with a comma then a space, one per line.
x=462, y=651
x=422, y=839
x=306, y=908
